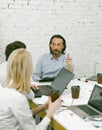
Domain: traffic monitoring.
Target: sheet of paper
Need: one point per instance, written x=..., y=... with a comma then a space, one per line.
x=41, y=100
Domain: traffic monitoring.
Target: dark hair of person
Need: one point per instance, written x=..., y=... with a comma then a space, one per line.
x=13, y=46
x=58, y=36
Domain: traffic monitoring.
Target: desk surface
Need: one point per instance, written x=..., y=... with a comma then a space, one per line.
x=66, y=118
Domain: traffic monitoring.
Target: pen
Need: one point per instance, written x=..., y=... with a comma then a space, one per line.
x=67, y=55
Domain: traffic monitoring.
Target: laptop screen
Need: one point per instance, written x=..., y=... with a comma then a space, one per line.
x=96, y=98
x=92, y=78
x=62, y=80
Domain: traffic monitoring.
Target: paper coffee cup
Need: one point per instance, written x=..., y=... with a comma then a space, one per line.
x=99, y=78
x=54, y=96
x=75, y=90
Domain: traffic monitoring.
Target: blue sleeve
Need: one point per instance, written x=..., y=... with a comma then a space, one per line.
x=38, y=70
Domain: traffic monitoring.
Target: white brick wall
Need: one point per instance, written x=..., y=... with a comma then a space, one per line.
x=35, y=21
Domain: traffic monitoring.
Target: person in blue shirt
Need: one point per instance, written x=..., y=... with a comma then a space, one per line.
x=49, y=64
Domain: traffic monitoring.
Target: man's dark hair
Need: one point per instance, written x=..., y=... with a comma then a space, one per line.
x=58, y=36
x=13, y=46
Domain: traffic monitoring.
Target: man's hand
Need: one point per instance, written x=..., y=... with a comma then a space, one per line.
x=69, y=64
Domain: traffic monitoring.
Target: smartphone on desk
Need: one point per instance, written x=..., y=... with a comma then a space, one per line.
x=97, y=124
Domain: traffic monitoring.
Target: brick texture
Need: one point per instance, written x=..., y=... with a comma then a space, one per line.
x=35, y=21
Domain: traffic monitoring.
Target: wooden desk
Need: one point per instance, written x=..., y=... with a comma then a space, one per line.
x=54, y=124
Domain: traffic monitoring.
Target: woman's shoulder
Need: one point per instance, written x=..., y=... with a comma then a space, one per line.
x=13, y=94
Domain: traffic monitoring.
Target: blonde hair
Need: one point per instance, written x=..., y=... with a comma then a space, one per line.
x=19, y=71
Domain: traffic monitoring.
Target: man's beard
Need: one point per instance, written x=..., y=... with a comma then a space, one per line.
x=55, y=52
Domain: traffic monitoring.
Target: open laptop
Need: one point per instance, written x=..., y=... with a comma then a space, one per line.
x=92, y=78
x=47, y=79
x=94, y=106
x=58, y=85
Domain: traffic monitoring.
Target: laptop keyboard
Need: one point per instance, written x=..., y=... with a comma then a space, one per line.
x=88, y=110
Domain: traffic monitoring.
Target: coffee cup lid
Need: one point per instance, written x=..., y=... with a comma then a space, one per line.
x=76, y=87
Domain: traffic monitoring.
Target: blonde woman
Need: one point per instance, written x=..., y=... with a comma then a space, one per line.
x=15, y=113
x=8, y=50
